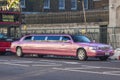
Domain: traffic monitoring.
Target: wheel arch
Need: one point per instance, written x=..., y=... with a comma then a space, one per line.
x=17, y=47
x=19, y=54
x=79, y=49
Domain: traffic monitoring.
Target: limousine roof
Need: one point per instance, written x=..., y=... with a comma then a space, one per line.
x=49, y=35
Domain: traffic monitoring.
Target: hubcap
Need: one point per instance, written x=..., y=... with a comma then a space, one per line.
x=81, y=55
x=19, y=52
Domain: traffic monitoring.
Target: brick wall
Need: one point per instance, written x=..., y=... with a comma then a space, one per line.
x=36, y=6
x=67, y=17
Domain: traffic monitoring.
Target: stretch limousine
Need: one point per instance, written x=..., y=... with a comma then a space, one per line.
x=61, y=44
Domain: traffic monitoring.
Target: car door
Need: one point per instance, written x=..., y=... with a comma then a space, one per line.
x=53, y=44
x=67, y=46
x=27, y=44
x=40, y=44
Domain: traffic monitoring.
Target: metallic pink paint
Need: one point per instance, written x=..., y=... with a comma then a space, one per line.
x=60, y=48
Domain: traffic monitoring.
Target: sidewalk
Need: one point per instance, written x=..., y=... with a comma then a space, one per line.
x=116, y=55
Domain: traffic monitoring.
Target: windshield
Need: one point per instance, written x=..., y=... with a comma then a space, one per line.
x=81, y=38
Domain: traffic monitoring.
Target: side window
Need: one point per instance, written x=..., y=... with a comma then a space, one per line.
x=22, y=3
x=86, y=4
x=53, y=38
x=65, y=38
x=73, y=4
x=39, y=37
x=61, y=4
x=29, y=38
x=46, y=4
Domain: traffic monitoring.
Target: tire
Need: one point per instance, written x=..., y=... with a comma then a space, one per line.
x=81, y=55
x=40, y=56
x=19, y=52
x=104, y=58
x=2, y=53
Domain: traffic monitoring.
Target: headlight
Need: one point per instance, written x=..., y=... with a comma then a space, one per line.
x=93, y=47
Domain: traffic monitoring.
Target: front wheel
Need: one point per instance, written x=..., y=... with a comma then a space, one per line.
x=19, y=52
x=81, y=54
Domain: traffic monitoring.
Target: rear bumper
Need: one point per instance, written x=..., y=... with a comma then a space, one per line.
x=4, y=49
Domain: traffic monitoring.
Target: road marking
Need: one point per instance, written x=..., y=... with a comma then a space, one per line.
x=34, y=62
x=84, y=71
x=101, y=67
x=71, y=62
x=113, y=72
x=6, y=63
x=115, y=61
x=3, y=60
x=66, y=62
x=47, y=65
x=85, y=68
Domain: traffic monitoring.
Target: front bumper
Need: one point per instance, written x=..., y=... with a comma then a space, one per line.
x=99, y=53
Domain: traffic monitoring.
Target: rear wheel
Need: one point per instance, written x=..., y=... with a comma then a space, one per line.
x=19, y=52
x=104, y=58
x=81, y=54
x=2, y=53
x=40, y=56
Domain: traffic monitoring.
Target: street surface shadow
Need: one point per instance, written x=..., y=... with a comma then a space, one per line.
x=51, y=57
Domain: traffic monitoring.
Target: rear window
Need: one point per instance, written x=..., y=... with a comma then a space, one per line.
x=28, y=38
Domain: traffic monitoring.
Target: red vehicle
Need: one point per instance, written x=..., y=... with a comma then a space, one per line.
x=9, y=25
x=5, y=44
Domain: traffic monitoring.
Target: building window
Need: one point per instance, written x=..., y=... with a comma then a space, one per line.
x=86, y=4
x=46, y=4
x=22, y=3
x=61, y=4
x=73, y=4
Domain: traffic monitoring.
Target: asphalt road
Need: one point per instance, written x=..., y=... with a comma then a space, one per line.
x=50, y=68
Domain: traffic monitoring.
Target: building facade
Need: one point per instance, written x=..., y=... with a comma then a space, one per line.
x=62, y=5
x=65, y=11
x=114, y=13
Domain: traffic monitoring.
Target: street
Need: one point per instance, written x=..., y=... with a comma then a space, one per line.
x=51, y=68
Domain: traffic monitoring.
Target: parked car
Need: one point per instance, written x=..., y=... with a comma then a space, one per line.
x=61, y=44
x=5, y=44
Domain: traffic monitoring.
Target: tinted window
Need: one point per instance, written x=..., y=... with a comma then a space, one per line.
x=28, y=38
x=2, y=36
x=53, y=38
x=81, y=39
x=39, y=37
x=65, y=38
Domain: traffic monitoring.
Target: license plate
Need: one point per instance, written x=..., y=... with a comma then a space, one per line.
x=7, y=49
x=107, y=53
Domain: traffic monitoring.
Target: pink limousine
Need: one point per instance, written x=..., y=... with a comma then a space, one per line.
x=61, y=44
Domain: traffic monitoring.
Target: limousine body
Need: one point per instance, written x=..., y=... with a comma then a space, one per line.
x=61, y=44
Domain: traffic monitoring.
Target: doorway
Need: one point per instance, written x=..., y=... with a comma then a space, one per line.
x=103, y=34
